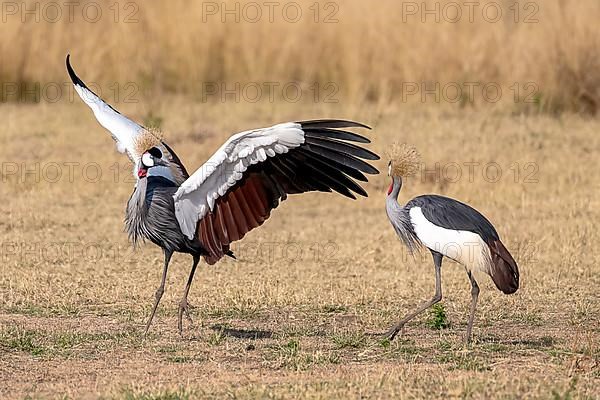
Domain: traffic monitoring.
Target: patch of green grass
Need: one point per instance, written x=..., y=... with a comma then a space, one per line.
x=495, y=347
x=531, y=319
x=538, y=343
x=444, y=345
x=168, y=349
x=216, y=338
x=318, y=358
x=131, y=394
x=400, y=347
x=291, y=356
x=63, y=310
x=547, y=341
x=40, y=342
x=404, y=347
x=291, y=348
x=471, y=364
x=21, y=339
x=30, y=309
x=176, y=354
x=334, y=308
x=352, y=340
x=437, y=318
x=302, y=331
x=180, y=359
x=568, y=393
x=286, y=354
x=463, y=361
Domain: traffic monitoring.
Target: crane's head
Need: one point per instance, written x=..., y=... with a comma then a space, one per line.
x=151, y=151
x=151, y=158
x=403, y=162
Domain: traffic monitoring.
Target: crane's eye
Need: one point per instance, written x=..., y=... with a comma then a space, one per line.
x=155, y=152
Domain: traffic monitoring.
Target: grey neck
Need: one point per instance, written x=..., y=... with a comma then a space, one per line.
x=394, y=210
x=162, y=171
x=396, y=186
x=399, y=217
x=136, y=211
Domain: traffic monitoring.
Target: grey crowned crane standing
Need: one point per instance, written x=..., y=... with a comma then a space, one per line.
x=448, y=228
x=235, y=190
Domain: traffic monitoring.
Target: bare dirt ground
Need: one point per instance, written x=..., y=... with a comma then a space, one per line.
x=299, y=314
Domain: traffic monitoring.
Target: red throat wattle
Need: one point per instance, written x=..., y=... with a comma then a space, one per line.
x=390, y=188
x=142, y=173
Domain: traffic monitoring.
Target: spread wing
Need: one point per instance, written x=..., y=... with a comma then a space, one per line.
x=236, y=189
x=122, y=129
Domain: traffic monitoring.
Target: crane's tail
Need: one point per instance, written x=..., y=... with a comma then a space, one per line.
x=503, y=269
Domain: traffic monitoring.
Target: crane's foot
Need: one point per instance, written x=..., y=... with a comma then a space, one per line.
x=468, y=340
x=184, y=307
x=393, y=332
x=157, y=297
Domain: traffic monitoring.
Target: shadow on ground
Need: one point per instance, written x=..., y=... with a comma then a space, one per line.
x=242, y=333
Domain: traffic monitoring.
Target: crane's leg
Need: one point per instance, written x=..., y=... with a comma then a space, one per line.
x=161, y=288
x=183, y=305
x=474, y=297
x=437, y=261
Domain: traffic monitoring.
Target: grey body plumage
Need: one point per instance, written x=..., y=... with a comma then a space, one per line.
x=150, y=215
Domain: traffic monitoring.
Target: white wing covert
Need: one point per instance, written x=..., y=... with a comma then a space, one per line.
x=198, y=194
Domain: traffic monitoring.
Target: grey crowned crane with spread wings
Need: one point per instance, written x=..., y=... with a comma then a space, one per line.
x=235, y=190
x=448, y=228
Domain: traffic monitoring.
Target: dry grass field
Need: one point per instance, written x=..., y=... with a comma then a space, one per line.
x=297, y=315
x=301, y=312
x=368, y=52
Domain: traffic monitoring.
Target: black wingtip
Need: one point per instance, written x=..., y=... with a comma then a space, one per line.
x=332, y=123
x=354, y=124
x=230, y=254
x=74, y=78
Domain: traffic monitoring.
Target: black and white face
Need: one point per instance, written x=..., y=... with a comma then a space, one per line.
x=150, y=159
x=389, y=168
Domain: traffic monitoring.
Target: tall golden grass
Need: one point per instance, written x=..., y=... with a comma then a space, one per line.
x=369, y=53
